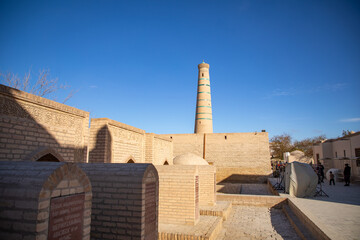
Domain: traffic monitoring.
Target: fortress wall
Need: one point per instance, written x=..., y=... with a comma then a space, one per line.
x=127, y=143
x=163, y=150
x=34, y=126
x=158, y=149
x=115, y=142
x=186, y=143
x=238, y=157
x=99, y=145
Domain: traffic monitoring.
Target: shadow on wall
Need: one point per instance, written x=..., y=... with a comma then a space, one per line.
x=22, y=138
x=101, y=153
x=239, y=178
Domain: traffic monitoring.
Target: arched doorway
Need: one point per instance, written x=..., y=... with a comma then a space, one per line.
x=48, y=158
x=130, y=161
x=166, y=163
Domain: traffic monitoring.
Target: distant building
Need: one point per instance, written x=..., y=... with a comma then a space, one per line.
x=335, y=153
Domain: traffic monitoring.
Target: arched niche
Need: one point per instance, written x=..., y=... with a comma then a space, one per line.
x=48, y=158
x=45, y=154
x=130, y=159
x=166, y=162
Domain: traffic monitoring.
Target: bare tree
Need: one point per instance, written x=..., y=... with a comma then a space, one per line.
x=346, y=133
x=306, y=144
x=44, y=86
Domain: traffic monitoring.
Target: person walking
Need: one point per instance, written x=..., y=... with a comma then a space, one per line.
x=347, y=173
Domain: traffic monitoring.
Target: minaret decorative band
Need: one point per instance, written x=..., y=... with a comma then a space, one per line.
x=203, y=116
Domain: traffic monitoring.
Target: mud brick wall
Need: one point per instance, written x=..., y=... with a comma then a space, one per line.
x=187, y=143
x=115, y=142
x=29, y=203
x=125, y=200
x=158, y=149
x=32, y=125
x=237, y=156
x=207, y=175
x=177, y=195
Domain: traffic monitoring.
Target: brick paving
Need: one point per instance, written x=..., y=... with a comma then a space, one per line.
x=250, y=222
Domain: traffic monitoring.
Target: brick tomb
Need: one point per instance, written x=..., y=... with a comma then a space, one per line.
x=44, y=200
x=125, y=200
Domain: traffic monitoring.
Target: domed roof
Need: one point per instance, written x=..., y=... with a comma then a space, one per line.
x=189, y=159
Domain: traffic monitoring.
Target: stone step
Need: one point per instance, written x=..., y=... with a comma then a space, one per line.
x=299, y=227
x=208, y=228
x=221, y=209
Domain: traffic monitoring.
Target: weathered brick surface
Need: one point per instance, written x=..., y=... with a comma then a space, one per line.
x=158, y=149
x=29, y=123
x=125, y=200
x=207, y=175
x=26, y=190
x=236, y=156
x=115, y=142
x=177, y=196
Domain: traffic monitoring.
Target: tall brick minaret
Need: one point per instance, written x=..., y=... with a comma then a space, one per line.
x=203, y=117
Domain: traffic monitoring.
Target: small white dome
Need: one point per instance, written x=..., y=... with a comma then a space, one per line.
x=189, y=159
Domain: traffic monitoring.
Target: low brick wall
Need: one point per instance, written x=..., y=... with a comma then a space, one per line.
x=253, y=200
x=43, y=200
x=207, y=176
x=178, y=194
x=125, y=200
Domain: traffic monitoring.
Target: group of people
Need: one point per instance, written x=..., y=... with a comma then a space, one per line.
x=320, y=173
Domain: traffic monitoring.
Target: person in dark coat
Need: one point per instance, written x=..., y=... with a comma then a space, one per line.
x=347, y=173
x=322, y=175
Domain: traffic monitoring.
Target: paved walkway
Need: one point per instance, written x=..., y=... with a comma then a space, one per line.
x=337, y=215
x=250, y=222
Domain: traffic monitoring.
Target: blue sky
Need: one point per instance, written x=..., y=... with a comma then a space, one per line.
x=284, y=66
